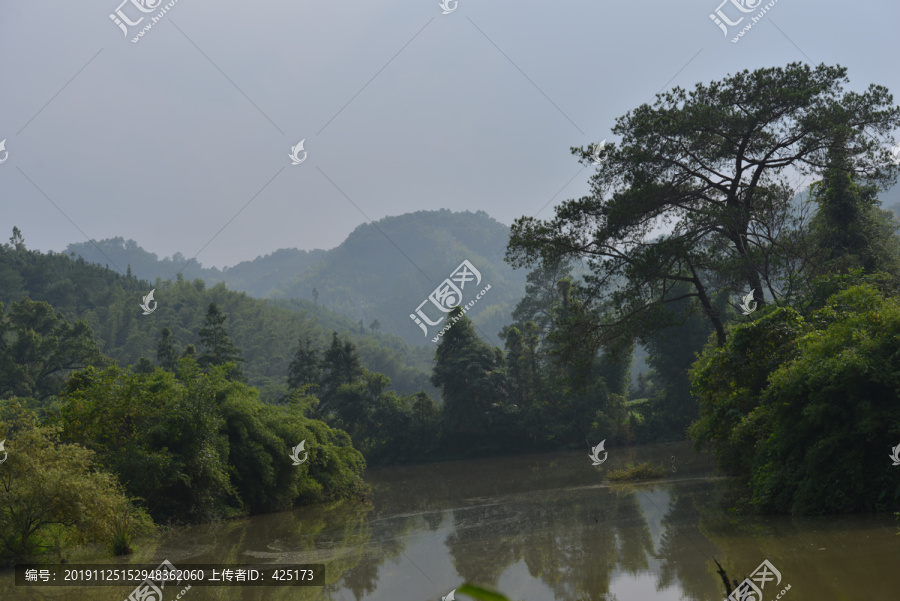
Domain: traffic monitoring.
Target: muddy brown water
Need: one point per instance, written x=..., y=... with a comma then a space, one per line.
x=537, y=528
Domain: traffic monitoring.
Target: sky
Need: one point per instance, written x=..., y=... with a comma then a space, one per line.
x=181, y=141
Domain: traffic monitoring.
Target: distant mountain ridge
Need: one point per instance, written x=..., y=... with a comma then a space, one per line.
x=382, y=271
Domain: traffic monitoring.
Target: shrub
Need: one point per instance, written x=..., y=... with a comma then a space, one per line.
x=641, y=471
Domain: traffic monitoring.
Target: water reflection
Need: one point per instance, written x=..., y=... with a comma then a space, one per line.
x=537, y=528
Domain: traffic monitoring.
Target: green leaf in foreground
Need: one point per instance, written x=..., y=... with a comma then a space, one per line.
x=476, y=592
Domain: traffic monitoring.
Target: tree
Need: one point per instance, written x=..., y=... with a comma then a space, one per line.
x=829, y=413
x=17, y=241
x=216, y=345
x=711, y=163
x=800, y=409
x=849, y=230
x=672, y=350
x=340, y=365
x=727, y=382
x=144, y=366
x=306, y=366
x=375, y=325
x=166, y=355
x=159, y=434
x=542, y=294
x=196, y=446
x=39, y=349
x=471, y=376
x=53, y=490
x=525, y=383
x=315, y=294
x=259, y=438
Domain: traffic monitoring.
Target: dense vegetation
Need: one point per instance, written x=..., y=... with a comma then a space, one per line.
x=186, y=444
x=801, y=403
x=188, y=415
x=264, y=332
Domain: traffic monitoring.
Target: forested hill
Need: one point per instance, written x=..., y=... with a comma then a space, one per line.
x=381, y=271
x=266, y=334
x=258, y=278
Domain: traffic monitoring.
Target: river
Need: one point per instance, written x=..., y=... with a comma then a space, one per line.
x=537, y=528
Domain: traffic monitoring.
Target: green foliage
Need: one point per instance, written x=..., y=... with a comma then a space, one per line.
x=260, y=437
x=542, y=295
x=560, y=390
x=832, y=413
x=166, y=355
x=672, y=350
x=39, y=349
x=386, y=427
x=804, y=411
x=340, y=365
x=472, y=377
x=218, y=349
x=482, y=594
x=306, y=366
x=263, y=331
x=728, y=382
x=640, y=471
x=52, y=494
x=711, y=160
x=198, y=447
x=849, y=229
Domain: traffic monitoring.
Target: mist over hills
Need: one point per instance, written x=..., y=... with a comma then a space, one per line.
x=382, y=271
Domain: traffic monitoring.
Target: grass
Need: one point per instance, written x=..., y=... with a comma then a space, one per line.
x=121, y=538
x=641, y=471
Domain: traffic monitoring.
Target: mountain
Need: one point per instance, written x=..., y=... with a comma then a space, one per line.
x=385, y=270
x=382, y=271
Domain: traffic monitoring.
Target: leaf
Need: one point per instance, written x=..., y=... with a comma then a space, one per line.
x=476, y=592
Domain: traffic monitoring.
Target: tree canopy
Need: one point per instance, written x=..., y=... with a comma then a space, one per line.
x=711, y=167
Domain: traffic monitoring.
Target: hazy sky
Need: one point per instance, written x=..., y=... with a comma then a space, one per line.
x=402, y=108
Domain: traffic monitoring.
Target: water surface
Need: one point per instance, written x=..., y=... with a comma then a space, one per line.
x=538, y=528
